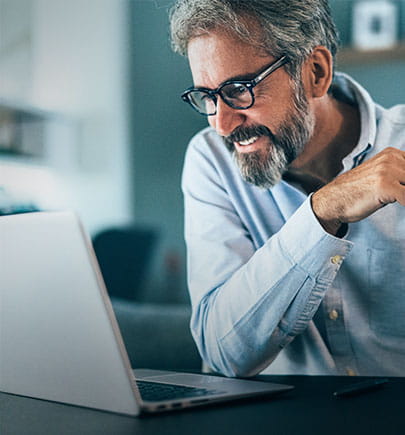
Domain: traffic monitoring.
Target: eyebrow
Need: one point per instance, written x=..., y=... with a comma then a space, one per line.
x=238, y=78
x=244, y=77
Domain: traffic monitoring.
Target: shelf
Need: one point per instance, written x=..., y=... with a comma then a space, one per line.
x=350, y=56
x=32, y=135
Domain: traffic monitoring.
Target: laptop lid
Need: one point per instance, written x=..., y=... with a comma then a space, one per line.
x=59, y=339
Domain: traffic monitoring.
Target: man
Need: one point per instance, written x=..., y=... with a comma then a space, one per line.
x=295, y=264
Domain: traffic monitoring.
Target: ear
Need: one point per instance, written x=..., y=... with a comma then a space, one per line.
x=319, y=71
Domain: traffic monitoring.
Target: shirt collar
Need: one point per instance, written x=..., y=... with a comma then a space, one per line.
x=349, y=88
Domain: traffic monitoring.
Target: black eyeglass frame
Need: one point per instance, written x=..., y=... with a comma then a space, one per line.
x=249, y=84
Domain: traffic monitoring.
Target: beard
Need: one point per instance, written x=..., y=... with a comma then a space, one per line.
x=265, y=168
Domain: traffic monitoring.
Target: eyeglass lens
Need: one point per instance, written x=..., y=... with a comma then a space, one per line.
x=203, y=102
x=236, y=95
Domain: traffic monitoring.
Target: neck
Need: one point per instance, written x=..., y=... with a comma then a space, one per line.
x=336, y=133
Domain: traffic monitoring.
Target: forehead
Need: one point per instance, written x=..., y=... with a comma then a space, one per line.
x=219, y=56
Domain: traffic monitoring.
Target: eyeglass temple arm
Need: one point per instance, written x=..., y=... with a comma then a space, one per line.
x=269, y=70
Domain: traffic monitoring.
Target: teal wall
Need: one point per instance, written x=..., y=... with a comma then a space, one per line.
x=162, y=125
x=384, y=80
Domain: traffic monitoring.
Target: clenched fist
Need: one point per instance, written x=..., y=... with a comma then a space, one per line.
x=361, y=191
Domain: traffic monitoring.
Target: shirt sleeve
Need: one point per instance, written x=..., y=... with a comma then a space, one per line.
x=249, y=304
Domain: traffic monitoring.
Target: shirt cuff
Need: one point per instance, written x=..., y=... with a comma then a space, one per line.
x=310, y=246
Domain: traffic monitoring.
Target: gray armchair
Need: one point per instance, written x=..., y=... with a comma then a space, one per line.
x=156, y=335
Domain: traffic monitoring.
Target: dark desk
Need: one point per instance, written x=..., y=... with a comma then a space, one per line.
x=308, y=409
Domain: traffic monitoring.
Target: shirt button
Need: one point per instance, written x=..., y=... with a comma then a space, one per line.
x=350, y=372
x=336, y=259
x=333, y=315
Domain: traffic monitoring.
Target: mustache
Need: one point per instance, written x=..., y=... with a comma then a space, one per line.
x=244, y=133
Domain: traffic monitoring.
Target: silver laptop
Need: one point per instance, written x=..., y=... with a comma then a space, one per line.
x=59, y=339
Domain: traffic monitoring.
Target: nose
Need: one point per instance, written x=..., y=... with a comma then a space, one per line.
x=226, y=119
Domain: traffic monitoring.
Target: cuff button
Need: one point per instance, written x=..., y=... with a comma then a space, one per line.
x=336, y=259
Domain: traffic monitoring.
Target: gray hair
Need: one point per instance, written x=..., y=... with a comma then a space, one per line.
x=287, y=27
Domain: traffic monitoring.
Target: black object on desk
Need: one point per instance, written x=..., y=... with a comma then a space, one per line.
x=361, y=387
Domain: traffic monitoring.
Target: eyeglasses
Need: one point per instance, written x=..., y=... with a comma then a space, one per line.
x=237, y=94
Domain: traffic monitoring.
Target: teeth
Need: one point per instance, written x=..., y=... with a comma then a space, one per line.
x=248, y=141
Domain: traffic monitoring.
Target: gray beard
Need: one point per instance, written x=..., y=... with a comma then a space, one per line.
x=265, y=168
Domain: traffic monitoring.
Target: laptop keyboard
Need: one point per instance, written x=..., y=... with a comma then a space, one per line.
x=154, y=391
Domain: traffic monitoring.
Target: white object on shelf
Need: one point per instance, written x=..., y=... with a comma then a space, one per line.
x=375, y=25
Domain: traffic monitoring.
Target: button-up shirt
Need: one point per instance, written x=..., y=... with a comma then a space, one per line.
x=271, y=291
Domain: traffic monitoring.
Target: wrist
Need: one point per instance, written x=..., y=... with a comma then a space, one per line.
x=324, y=214
x=332, y=227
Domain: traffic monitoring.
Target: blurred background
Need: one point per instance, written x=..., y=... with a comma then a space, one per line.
x=91, y=118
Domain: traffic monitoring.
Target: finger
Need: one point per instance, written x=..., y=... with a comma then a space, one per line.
x=394, y=192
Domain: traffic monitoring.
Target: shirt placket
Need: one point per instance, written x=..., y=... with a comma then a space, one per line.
x=338, y=340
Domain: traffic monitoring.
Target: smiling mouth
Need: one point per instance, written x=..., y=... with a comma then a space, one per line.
x=248, y=141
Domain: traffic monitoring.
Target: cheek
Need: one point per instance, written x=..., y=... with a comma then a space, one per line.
x=273, y=104
x=211, y=121
x=272, y=111
x=267, y=115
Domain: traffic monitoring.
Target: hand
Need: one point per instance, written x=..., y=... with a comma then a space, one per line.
x=360, y=192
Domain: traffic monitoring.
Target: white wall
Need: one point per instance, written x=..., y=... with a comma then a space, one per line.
x=77, y=67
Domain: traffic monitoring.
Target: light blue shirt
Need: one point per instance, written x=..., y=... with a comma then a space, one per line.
x=271, y=291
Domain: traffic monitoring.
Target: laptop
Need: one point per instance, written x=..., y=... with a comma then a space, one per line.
x=59, y=338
